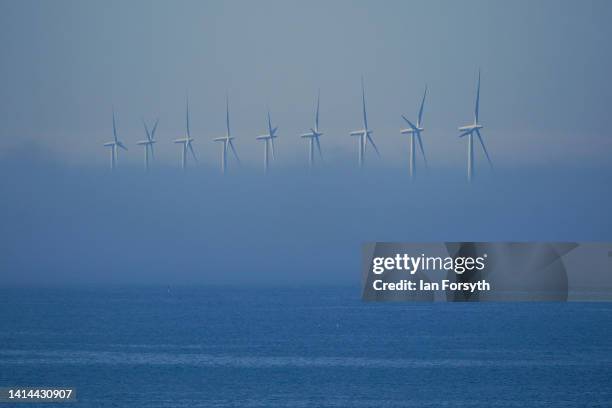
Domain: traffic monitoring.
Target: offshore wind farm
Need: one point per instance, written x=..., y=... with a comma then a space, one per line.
x=364, y=137
x=254, y=148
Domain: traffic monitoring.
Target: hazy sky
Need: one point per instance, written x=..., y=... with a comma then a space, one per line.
x=545, y=67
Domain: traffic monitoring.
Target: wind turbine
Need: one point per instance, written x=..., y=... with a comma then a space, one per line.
x=148, y=143
x=469, y=131
x=365, y=134
x=227, y=140
x=415, y=132
x=313, y=137
x=269, y=141
x=186, y=142
x=114, y=152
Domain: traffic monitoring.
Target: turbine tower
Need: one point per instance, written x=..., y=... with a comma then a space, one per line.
x=114, y=152
x=313, y=137
x=415, y=132
x=148, y=143
x=269, y=141
x=227, y=140
x=469, y=131
x=186, y=142
x=365, y=134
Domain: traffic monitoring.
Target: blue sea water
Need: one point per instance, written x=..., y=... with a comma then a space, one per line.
x=302, y=347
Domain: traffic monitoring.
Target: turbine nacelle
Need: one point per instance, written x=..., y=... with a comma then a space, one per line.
x=470, y=128
x=312, y=133
x=416, y=129
x=117, y=143
x=184, y=140
x=271, y=135
x=363, y=132
x=411, y=130
x=316, y=133
x=223, y=139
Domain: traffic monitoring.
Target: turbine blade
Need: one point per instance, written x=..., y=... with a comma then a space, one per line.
x=373, y=144
x=269, y=124
x=319, y=147
x=152, y=151
x=273, y=131
x=317, y=114
x=146, y=130
x=192, y=151
x=484, y=148
x=365, y=116
x=227, y=115
x=121, y=145
x=231, y=144
x=409, y=123
x=420, y=120
x=273, y=152
x=114, y=127
x=467, y=132
x=188, y=133
x=154, y=129
x=418, y=134
x=477, y=99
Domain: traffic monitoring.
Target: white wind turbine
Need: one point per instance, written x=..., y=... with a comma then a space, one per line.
x=415, y=132
x=148, y=143
x=269, y=141
x=227, y=140
x=313, y=137
x=186, y=142
x=365, y=134
x=469, y=131
x=114, y=152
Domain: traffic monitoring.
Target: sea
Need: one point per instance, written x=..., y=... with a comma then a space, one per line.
x=300, y=347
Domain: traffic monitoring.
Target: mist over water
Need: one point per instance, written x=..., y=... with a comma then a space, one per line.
x=77, y=224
